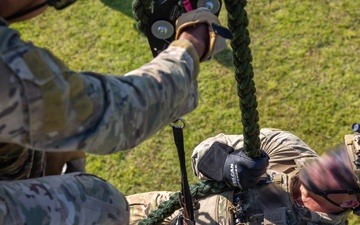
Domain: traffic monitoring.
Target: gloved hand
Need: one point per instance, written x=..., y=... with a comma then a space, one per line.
x=217, y=34
x=235, y=168
x=242, y=171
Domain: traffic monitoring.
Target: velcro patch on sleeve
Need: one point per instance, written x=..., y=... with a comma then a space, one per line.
x=52, y=91
x=79, y=99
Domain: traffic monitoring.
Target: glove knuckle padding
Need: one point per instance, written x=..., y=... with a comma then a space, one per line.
x=235, y=168
x=195, y=17
x=216, y=42
x=242, y=171
x=212, y=163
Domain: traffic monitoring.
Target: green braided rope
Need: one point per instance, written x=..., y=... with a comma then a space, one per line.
x=167, y=208
x=238, y=22
x=142, y=10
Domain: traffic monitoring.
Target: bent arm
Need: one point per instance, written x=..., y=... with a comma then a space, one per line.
x=46, y=106
x=283, y=148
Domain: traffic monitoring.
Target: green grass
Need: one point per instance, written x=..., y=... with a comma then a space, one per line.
x=306, y=65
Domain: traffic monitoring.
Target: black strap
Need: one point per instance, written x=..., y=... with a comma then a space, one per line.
x=185, y=189
x=26, y=11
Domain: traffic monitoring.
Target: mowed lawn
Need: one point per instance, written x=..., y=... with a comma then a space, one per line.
x=306, y=66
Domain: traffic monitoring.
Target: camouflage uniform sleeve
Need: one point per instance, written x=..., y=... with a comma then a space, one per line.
x=46, y=106
x=282, y=147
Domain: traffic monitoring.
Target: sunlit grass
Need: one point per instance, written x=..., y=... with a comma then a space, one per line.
x=306, y=65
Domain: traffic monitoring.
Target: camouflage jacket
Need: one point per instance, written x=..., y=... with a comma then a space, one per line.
x=46, y=106
x=271, y=202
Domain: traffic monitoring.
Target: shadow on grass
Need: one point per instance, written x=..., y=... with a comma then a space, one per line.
x=225, y=58
x=123, y=6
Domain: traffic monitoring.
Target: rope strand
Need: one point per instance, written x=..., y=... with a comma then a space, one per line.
x=242, y=58
x=167, y=208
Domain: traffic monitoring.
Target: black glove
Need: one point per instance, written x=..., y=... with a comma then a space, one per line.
x=235, y=168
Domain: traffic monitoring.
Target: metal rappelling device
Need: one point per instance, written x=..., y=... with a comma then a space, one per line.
x=156, y=19
x=161, y=24
x=160, y=33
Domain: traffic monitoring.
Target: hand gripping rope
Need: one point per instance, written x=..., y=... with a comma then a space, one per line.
x=160, y=30
x=163, y=13
x=156, y=20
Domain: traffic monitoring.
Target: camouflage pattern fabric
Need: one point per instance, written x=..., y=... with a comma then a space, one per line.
x=48, y=107
x=282, y=147
x=142, y=204
x=267, y=203
x=75, y=198
x=270, y=204
x=17, y=162
x=287, y=154
x=211, y=212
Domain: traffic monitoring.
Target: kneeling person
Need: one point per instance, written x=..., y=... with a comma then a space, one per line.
x=299, y=187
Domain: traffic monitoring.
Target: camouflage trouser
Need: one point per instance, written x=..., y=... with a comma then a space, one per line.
x=75, y=198
x=213, y=209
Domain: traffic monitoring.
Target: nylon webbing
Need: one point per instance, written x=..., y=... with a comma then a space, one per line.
x=185, y=197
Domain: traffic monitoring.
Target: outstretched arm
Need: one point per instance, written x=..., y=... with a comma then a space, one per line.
x=46, y=106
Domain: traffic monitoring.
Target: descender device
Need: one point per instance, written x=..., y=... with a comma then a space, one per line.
x=162, y=22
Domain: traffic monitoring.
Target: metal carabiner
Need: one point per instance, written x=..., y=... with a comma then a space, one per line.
x=174, y=125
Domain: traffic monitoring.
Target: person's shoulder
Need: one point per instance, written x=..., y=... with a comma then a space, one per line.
x=9, y=38
x=266, y=133
x=274, y=132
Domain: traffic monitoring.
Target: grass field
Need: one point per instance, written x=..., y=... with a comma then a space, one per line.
x=306, y=65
